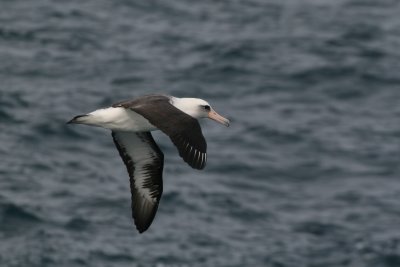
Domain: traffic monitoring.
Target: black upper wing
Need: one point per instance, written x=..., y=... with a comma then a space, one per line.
x=183, y=130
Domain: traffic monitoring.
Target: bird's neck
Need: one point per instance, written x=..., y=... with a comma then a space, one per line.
x=186, y=105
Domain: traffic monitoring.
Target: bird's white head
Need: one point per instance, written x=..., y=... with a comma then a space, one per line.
x=198, y=108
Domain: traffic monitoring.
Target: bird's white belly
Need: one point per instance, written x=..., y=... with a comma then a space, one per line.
x=119, y=119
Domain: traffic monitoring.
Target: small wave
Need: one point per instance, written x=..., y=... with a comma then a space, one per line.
x=6, y=117
x=14, y=212
x=317, y=228
x=15, y=219
x=126, y=80
x=318, y=74
x=77, y=224
x=171, y=200
x=113, y=257
x=13, y=34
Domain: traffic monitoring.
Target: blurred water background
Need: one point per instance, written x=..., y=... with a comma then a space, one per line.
x=307, y=175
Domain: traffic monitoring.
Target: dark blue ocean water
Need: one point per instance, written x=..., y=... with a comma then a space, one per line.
x=308, y=174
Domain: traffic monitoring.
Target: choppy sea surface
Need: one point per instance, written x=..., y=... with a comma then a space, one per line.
x=307, y=175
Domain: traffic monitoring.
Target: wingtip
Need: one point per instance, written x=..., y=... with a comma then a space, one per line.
x=141, y=229
x=198, y=167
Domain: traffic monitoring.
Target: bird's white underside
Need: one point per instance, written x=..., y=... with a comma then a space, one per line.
x=119, y=119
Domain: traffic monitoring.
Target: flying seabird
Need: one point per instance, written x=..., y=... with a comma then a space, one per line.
x=131, y=123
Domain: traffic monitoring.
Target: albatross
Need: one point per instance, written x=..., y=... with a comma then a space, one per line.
x=131, y=123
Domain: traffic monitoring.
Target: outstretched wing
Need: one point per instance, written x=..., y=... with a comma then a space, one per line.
x=144, y=162
x=183, y=130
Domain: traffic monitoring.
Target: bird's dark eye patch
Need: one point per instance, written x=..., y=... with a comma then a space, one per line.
x=206, y=107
